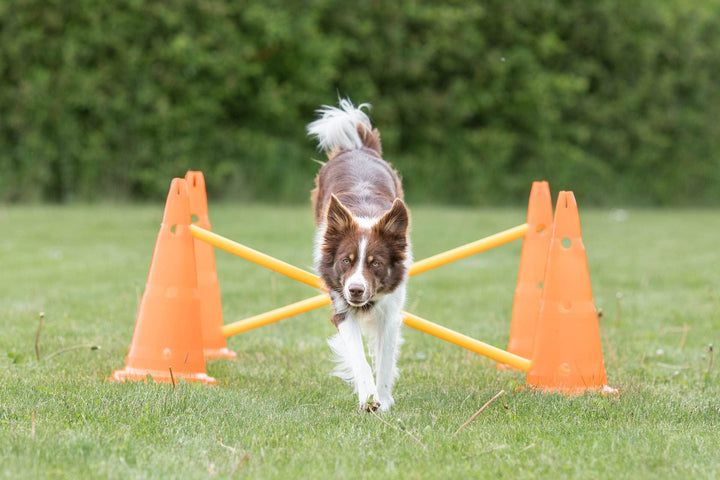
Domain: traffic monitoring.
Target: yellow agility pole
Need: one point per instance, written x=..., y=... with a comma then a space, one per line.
x=322, y=300
x=522, y=364
x=256, y=257
x=308, y=278
x=275, y=315
x=469, y=249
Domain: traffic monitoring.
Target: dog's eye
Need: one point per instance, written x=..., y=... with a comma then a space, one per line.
x=374, y=264
x=346, y=261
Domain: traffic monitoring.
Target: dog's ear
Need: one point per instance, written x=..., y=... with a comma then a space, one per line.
x=395, y=222
x=339, y=219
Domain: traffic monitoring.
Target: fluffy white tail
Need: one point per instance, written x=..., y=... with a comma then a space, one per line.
x=337, y=128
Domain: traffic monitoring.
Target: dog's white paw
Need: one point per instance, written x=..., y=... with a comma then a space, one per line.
x=370, y=405
x=386, y=402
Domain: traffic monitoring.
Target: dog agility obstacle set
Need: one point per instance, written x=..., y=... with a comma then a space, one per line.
x=554, y=331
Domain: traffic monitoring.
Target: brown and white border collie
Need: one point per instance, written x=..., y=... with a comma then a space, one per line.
x=362, y=249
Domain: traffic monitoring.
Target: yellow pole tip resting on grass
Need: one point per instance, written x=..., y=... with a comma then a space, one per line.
x=443, y=333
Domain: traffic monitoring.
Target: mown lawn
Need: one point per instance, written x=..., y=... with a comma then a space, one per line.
x=277, y=413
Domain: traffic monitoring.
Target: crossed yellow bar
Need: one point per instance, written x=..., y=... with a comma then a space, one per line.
x=323, y=299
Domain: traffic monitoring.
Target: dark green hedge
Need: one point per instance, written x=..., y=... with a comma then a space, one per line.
x=617, y=100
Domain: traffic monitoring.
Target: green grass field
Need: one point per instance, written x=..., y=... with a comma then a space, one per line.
x=277, y=413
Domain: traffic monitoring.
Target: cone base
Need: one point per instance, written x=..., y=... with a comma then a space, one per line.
x=602, y=389
x=141, y=374
x=219, y=353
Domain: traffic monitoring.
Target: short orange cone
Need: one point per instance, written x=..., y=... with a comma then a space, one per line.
x=568, y=354
x=167, y=342
x=214, y=343
x=533, y=259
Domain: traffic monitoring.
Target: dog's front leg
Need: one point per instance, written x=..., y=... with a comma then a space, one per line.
x=352, y=364
x=386, y=353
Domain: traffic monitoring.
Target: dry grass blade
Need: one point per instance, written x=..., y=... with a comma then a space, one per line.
x=501, y=392
x=70, y=349
x=600, y=316
x=710, y=351
x=37, y=336
x=240, y=463
x=607, y=342
x=396, y=428
x=235, y=451
x=685, y=329
x=227, y=447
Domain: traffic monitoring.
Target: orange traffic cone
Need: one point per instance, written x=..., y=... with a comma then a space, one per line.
x=568, y=355
x=167, y=342
x=214, y=344
x=533, y=259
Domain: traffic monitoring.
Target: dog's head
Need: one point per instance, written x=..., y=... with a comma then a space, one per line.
x=363, y=259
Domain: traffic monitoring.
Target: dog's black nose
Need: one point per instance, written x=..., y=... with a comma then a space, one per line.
x=356, y=290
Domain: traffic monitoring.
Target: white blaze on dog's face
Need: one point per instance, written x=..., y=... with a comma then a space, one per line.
x=364, y=259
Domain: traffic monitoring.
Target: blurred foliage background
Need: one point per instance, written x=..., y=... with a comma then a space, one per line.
x=617, y=100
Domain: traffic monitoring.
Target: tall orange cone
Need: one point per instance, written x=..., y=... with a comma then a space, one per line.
x=167, y=342
x=214, y=343
x=568, y=354
x=533, y=259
